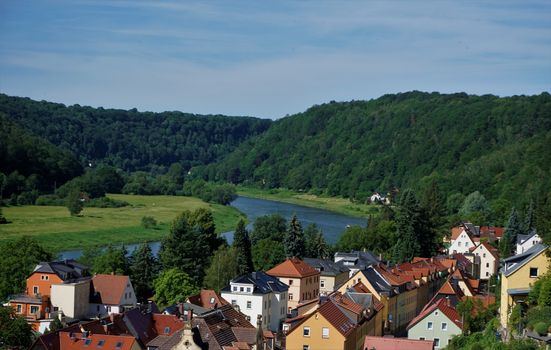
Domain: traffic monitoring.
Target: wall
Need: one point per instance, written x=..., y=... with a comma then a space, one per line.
x=331, y=283
x=296, y=339
x=39, y=280
x=72, y=298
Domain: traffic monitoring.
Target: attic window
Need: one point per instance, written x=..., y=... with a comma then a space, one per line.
x=118, y=345
x=533, y=272
x=212, y=300
x=87, y=342
x=100, y=343
x=167, y=330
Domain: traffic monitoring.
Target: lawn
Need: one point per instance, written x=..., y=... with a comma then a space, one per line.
x=53, y=227
x=335, y=204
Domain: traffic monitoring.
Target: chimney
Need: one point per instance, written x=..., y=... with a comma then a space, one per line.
x=254, y=275
x=181, y=309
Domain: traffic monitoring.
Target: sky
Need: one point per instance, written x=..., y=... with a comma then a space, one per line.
x=268, y=59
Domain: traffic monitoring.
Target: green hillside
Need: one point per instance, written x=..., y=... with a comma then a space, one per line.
x=498, y=146
x=132, y=140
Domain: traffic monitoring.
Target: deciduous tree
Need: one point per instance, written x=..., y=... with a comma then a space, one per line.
x=222, y=269
x=173, y=286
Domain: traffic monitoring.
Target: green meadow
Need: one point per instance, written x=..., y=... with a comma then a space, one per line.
x=53, y=227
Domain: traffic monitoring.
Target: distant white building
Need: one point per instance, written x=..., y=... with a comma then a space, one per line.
x=489, y=260
x=525, y=242
x=461, y=241
x=256, y=294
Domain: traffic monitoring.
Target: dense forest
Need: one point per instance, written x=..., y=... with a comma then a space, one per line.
x=498, y=146
x=132, y=140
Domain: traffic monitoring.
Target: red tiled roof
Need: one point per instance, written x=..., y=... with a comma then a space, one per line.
x=125, y=342
x=163, y=323
x=293, y=268
x=336, y=318
x=442, y=305
x=456, y=231
x=497, y=231
x=109, y=288
x=348, y=304
x=207, y=299
x=390, y=343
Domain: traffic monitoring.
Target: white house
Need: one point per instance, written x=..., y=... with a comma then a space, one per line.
x=438, y=322
x=461, y=241
x=489, y=260
x=256, y=294
x=525, y=242
x=111, y=294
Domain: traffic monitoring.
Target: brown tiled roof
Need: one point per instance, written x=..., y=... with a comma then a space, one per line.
x=336, y=318
x=390, y=343
x=293, y=268
x=486, y=230
x=207, y=299
x=442, y=305
x=167, y=322
x=124, y=342
x=348, y=304
x=109, y=289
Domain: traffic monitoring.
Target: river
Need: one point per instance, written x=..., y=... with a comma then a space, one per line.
x=330, y=223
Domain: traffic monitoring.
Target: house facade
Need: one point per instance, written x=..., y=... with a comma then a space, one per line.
x=461, y=240
x=438, y=322
x=258, y=293
x=332, y=275
x=489, y=260
x=302, y=279
x=111, y=294
x=525, y=242
x=518, y=276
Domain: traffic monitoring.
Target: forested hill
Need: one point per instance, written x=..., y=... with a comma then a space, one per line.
x=498, y=146
x=132, y=140
x=31, y=162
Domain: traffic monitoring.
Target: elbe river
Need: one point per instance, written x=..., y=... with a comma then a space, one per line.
x=330, y=223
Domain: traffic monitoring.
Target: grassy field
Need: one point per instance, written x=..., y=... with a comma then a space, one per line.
x=57, y=230
x=338, y=205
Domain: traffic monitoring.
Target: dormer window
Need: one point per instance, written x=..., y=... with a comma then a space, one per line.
x=212, y=300
x=234, y=288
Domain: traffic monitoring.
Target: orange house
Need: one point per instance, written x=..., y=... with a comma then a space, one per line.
x=303, y=280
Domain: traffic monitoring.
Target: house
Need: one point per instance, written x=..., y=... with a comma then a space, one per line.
x=356, y=260
x=438, y=322
x=332, y=275
x=42, y=301
x=207, y=299
x=518, y=274
x=525, y=242
x=330, y=327
x=87, y=340
x=302, y=279
x=391, y=343
x=378, y=198
x=462, y=239
x=489, y=260
x=258, y=293
x=111, y=294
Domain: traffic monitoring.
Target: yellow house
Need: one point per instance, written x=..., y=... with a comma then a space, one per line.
x=338, y=323
x=518, y=276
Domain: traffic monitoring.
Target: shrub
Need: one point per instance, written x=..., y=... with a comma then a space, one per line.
x=541, y=328
x=106, y=202
x=149, y=222
x=49, y=199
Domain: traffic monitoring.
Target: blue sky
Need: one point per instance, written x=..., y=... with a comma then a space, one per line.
x=268, y=58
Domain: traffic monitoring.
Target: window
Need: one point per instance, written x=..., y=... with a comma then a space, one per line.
x=211, y=300
x=34, y=309
x=422, y=338
x=322, y=283
x=241, y=289
x=306, y=331
x=487, y=274
x=533, y=272
x=118, y=345
x=234, y=288
x=306, y=347
x=248, y=318
x=35, y=290
x=429, y=325
x=18, y=308
x=483, y=255
x=436, y=342
x=100, y=343
x=290, y=282
x=444, y=326
x=249, y=304
x=87, y=342
x=248, y=289
x=109, y=309
x=167, y=330
x=324, y=332
x=459, y=244
x=290, y=296
x=234, y=302
x=487, y=264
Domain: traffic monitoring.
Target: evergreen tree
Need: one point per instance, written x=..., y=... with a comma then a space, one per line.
x=316, y=246
x=73, y=202
x=543, y=217
x=222, y=269
x=408, y=225
x=143, y=271
x=242, y=245
x=475, y=208
x=294, y=239
x=509, y=239
x=185, y=249
x=202, y=219
x=434, y=210
x=529, y=223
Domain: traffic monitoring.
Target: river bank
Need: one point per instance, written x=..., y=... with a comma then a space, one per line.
x=335, y=204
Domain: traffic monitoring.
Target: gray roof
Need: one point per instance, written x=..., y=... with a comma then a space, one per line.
x=262, y=282
x=357, y=259
x=326, y=267
x=515, y=262
x=66, y=269
x=377, y=281
x=364, y=299
x=524, y=238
